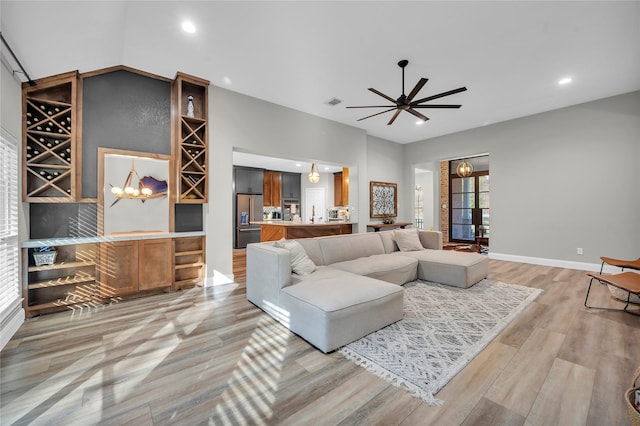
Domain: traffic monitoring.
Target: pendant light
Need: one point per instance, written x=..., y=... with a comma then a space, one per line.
x=464, y=169
x=314, y=176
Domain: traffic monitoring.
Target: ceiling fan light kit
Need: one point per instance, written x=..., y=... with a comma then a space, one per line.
x=406, y=103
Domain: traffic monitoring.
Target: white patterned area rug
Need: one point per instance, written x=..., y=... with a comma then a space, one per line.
x=443, y=329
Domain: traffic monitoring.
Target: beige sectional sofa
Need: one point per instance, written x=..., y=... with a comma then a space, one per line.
x=355, y=285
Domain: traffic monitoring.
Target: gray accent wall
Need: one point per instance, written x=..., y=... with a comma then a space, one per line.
x=559, y=180
x=122, y=110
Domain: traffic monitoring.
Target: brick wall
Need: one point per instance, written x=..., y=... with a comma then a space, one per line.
x=444, y=200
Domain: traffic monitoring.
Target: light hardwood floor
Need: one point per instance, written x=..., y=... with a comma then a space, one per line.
x=206, y=355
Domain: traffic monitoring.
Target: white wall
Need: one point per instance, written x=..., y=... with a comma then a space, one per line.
x=11, y=122
x=385, y=163
x=559, y=180
x=256, y=126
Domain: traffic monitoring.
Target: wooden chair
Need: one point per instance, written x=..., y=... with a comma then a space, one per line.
x=628, y=264
x=627, y=281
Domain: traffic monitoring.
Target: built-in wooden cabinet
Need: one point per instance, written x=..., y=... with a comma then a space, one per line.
x=191, y=135
x=69, y=280
x=134, y=265
x=341, y=188
x=189, y=262
x=49, y=139
x=272, y=189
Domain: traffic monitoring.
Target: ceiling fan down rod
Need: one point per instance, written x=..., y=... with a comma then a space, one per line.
x=403, y=63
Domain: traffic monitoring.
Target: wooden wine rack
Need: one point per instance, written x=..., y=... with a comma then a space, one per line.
x=190, y=149
x=49, y=139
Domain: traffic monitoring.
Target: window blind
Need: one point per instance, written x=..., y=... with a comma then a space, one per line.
x=9, y=250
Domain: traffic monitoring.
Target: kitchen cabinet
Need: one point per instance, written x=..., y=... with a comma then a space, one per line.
x=248, y=180
x=341, y=188
x=134, y=265
x=272, y=189
x=291, y=186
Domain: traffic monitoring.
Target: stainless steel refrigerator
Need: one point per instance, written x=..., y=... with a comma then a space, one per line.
x=248, y=210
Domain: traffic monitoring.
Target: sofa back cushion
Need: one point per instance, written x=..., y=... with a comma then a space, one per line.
x=388, y=241
x=341, y=248
x=312, y=248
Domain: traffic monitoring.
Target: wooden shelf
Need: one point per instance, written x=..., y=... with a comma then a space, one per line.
x=190, y=147
x=69, y=281
x=189, y=265
x=61, y=265
x=188, y=261
x=49, y=139
x=76, y=279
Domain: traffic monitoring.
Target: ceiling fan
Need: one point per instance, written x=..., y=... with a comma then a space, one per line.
x=406, y=103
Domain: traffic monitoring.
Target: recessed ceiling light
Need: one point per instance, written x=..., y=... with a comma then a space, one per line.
x=565, y=80
x=326, y=168
x=298, y=165
x=188, y=27
x=227, y=81
x=419, y=122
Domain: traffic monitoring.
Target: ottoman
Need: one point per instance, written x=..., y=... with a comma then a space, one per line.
x=332, y=312
x=453, y=268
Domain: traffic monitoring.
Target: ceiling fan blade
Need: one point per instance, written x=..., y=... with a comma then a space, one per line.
x=395, y=115
x=419, y=85
x=417, y=114
x=439, y=95
x=373, y=115
x=436, y=106
x=372, y=106
x=389, y=98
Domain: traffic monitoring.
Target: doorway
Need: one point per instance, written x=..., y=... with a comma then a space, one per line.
x=469, y=217
x=314, y=203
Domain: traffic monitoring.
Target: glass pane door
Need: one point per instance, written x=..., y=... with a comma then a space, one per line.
x=463, y=203
x=469, y=214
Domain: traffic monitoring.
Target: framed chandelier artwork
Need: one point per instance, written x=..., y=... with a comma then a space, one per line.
x=133, y=191
x=383, y=199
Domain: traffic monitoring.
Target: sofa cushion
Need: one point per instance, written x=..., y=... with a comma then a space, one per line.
x=407, y=239
x=312, y=248
x=449, y=267
x=300, y=262
x=385, y=267
x=388, y=241
x=340, y=248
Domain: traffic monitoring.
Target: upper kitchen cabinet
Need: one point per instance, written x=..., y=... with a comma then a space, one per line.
x=291, y=186
x=341, y=188
x=191, y=134
x=272, y=189
x=49, y=139
x=248, y=180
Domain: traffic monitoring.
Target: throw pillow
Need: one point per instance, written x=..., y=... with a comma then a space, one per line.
x=300, y=262
x=407, y=239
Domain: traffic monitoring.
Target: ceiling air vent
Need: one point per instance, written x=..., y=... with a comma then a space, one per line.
x=333, y=101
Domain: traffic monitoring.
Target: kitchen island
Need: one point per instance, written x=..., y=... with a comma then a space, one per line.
x=276, y=229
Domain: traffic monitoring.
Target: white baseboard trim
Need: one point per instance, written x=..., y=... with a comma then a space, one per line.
x=10, y=326
x=581, y=266
x=218, y=278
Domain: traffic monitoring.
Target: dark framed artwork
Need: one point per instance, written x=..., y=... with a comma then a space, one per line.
x=383, y=199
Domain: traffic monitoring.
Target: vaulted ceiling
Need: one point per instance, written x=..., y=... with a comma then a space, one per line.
x=509, y=55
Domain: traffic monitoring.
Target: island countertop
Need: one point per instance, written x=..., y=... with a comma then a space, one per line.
x=291, y=223
x=273, y=230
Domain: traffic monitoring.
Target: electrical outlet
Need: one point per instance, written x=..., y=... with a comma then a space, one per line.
x=579, y=250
